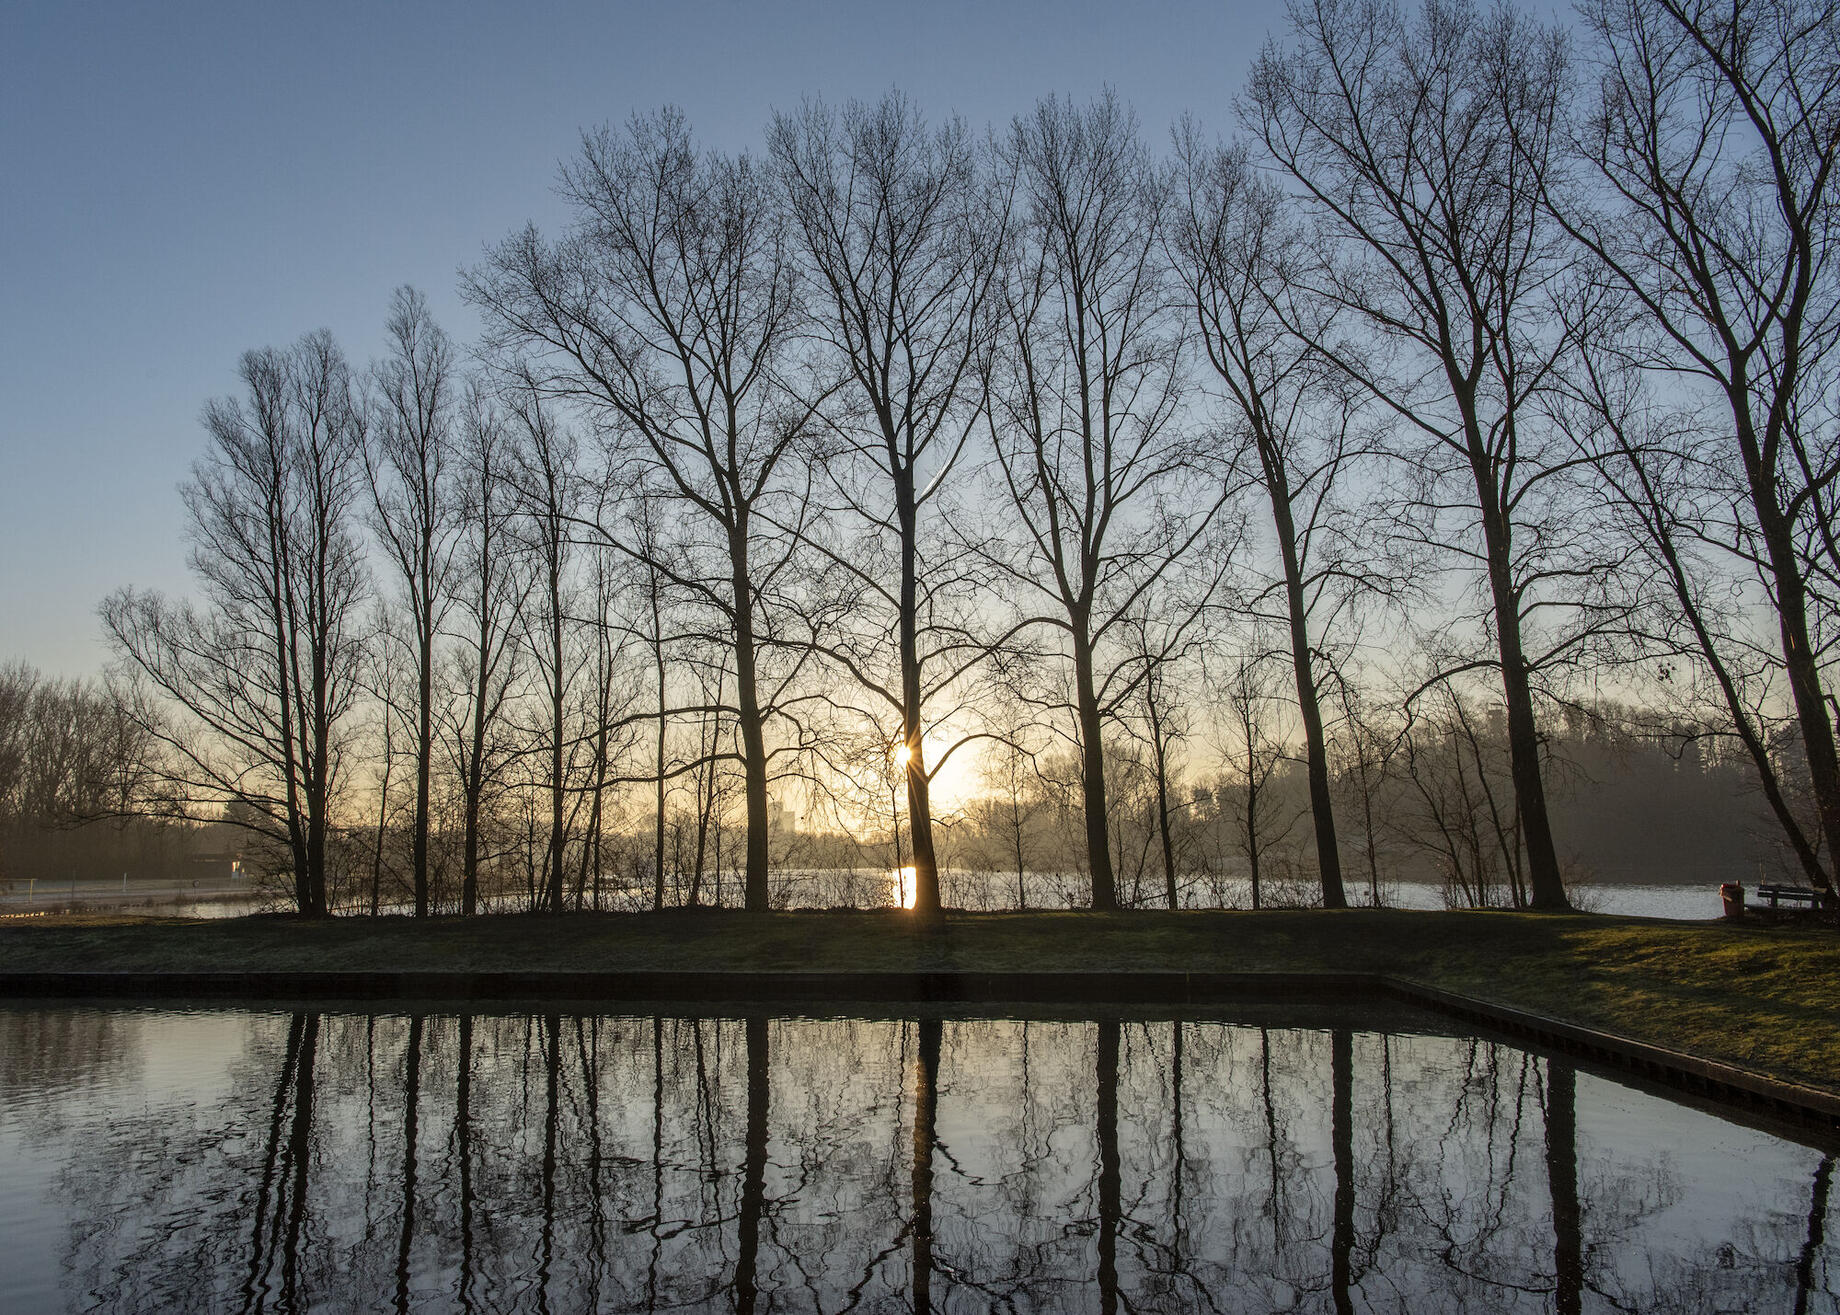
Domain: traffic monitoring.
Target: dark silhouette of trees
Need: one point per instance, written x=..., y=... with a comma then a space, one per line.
x=249, y=696
x=1085, y=411
x=789, y=484
x=551, y=495
x=75, y=785
x=1422, y=144
x=667, y=314
x=1254, y=755
x=1233, y=251
x=898, y=242
x=490, y=585
x=1704, y=196
x=409, y=458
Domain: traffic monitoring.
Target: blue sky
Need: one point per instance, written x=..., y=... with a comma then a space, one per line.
x=186, y=181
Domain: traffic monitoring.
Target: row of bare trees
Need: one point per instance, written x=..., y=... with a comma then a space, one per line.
x=1485, y=353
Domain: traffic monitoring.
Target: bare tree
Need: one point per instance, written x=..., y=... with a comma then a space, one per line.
x=1009, y=807
x=1165, y=646
x=1166, y=725
x=1709, y=211
x=488, y=593
x=1254, y=756
x=613, y=714
x=551, y=494
x=1461, y=812
x=408, y=459
x=382, y=679
x=896, y=238
x=648, y=539
x=1368, y=746
x=667, y=315
x=1084, y=410
x=250, y=694
x=18, y=684
x=1233, y=250
x=1422, y=146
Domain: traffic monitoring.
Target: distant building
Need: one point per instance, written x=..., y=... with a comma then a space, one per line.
x=781, y=818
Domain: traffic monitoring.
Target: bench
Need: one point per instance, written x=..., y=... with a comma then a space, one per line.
x=1795, y=895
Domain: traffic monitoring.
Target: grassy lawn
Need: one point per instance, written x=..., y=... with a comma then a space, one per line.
x=1766, y=998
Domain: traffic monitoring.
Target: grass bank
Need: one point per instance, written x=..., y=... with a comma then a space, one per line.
x=1764, y=998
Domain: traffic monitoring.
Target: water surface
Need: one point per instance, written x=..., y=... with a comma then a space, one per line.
x=254, y=1160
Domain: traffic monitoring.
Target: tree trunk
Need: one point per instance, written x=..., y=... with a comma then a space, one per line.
x=424, y=758
x=919, y=798
x=1316, y=752
x=474, y=776
x=755, y=897
x=1092, y=775
x=1523, y=733
x=558, y=836
x=383, y=815
x=1160, y=752
x=1804, y=673
x=658, y=801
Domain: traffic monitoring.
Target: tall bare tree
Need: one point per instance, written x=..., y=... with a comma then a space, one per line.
x=1233, y=250
x=488, y=593
x=896, y=238
x=1421, y=143
x=409, y=460
x=1166, y=722
x=1085, y=411
x=251, y=693
x=551, y=497
x=1709, y=208
x=667, y=314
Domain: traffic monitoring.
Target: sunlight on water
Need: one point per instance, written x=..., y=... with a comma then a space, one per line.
x=901, y=886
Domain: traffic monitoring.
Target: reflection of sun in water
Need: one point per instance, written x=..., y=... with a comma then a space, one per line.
x=901, y=886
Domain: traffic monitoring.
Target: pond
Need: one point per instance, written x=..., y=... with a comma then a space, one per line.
x=168, y=1159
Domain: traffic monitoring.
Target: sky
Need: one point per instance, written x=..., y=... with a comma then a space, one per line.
x=183, y=182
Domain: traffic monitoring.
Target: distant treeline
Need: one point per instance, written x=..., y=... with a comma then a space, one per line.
x=74, y=785
x=1282, y=503
x=1630, y=804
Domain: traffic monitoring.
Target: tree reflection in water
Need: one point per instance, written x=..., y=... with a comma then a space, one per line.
x=502, y=1162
